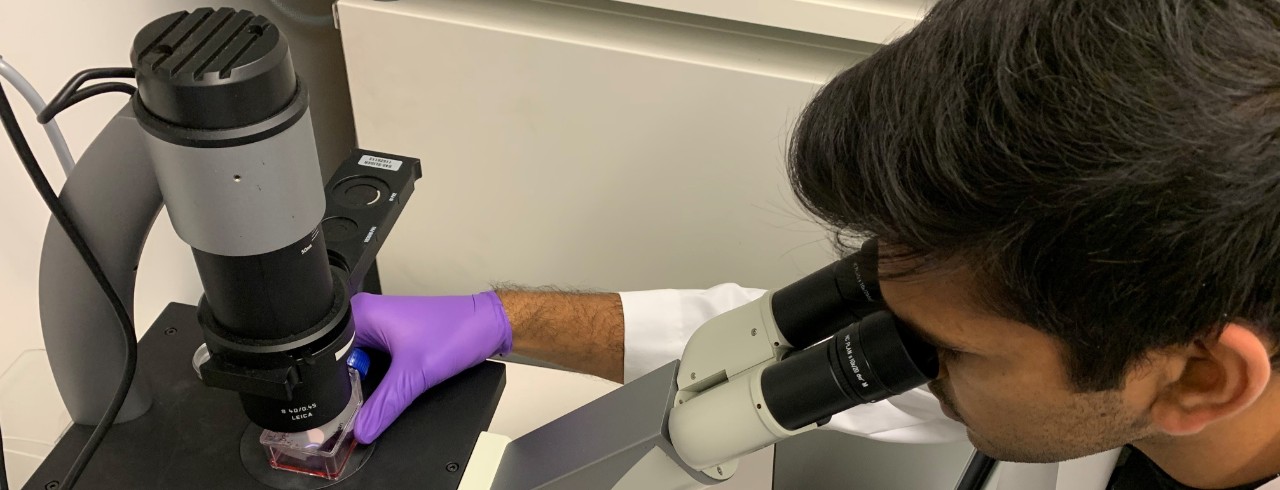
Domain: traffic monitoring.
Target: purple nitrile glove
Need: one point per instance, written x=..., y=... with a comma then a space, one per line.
x=430, y=339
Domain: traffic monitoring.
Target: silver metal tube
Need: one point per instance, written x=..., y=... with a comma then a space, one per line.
x=242, y=200
x=37, y=104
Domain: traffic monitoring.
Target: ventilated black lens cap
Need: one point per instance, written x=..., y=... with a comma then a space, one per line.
x=213, y=69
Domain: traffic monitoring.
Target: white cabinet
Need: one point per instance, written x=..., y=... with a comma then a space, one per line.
x=876, y=21
x=616, y=149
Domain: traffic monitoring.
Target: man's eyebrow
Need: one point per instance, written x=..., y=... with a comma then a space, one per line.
x=924, y=334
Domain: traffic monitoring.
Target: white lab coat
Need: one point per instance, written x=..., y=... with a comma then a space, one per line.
x=660, y=322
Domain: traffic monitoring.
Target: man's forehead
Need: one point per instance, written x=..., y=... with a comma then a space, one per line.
x=943, y=304
x=939, y=299
x=915, y=269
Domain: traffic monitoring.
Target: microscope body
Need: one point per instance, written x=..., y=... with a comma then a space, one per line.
x=720, y=413
x=786, y=362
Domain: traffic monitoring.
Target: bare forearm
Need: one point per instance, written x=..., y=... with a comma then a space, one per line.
x=580, y=331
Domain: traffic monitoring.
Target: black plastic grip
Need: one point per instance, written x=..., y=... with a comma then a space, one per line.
x=802, y=389
x=864, y=363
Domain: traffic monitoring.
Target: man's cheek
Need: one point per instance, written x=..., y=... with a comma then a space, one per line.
x=975, y=394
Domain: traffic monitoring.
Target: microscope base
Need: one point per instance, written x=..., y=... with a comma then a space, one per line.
x=191, y=436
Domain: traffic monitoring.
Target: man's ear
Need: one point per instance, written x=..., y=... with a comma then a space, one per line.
x=1221, y=377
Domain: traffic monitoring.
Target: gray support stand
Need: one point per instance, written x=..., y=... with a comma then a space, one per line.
x=596, y=445
x=113, y=198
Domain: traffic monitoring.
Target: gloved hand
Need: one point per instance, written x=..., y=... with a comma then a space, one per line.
x=430, y=339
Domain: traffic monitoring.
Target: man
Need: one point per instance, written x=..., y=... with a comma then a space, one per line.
x=1078, y=202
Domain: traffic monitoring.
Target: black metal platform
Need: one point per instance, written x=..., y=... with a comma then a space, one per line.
x=191, y=437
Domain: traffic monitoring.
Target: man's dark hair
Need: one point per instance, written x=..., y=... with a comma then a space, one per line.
x=1109, y=169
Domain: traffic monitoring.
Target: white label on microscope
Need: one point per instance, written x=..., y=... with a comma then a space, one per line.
x=380, y=162
x=344, y=349
x=299, y=413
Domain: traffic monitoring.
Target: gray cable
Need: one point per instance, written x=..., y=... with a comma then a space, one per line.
x=37, y=104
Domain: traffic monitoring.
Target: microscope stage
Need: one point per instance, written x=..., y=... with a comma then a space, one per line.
x=193, y=435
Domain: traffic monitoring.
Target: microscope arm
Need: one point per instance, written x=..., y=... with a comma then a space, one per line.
x=113, y=197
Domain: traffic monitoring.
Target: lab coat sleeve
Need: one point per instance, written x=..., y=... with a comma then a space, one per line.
x=658, y=323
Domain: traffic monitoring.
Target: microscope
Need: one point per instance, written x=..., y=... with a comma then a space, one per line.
x=255, y=378
x=230, y=389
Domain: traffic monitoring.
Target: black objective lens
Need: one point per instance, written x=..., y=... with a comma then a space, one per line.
x=864, y=363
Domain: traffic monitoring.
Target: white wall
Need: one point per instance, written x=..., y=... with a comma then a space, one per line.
x=49, y=41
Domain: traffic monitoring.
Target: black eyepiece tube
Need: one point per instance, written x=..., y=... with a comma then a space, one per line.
x=835, y=296
x=864, y=363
